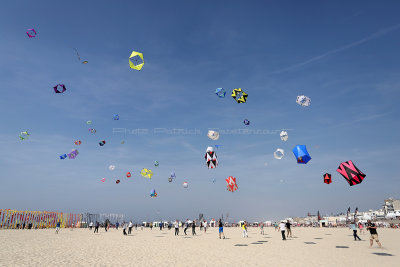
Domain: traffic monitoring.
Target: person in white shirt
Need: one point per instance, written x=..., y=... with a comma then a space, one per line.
x=90, y=225
x=282, y=226
x=205, y=226
x=176, y=225
x=130, y=225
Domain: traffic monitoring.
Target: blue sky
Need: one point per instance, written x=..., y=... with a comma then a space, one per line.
x=343, y=56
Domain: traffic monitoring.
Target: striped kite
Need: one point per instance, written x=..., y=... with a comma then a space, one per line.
x=351, y=173
x=231, y=184
x=239, y=95
x=211, y=158
x=146, y=173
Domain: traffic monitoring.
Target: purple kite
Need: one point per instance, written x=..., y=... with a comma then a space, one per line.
x=59, y=88
x=31, y=33
x=351, y=173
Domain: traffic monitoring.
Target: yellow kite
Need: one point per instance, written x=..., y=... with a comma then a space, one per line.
x=136, y=64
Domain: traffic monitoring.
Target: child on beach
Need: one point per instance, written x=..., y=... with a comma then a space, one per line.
x=220, y=229
x=361, y=227
x=58, y=227
x=124, y=229
x=354, y=228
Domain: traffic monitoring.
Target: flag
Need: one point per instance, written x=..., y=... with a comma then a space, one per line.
x=319, y=217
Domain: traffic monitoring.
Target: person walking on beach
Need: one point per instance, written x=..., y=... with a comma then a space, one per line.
x=361, y=227
x=262, y=228
x=176, y=225
x=130, y=227
x=282, y=227
x=353, y=227
x=194, y=227
x=371, y=227
x=124, y=229
x=117, y=225
x=106, y=225
x=186, y=227
x=289, y=230
x=244, y=227
x=151, y=226
x=161, y=225
x=220, y=229
x=58, y=227
x=276, y=226
x=205, y=226
x=96, y=227
x=90, y=225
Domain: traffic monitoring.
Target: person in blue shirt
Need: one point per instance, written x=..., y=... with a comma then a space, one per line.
x=353, y=226
x=58, y=227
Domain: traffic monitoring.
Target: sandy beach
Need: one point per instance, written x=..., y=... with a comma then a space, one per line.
x=308, y=247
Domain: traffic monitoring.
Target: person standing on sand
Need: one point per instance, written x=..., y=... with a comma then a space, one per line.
x=354, y=228
x=262, y=228
x=220, y=229
x=276, y=226
x=90, y=225
x=244, y=227
x=176, y=225
x=151, y=226
x=124, y=229
x=371, y=227
x=130, y=227
x=282, y=227
x=361, y=227
x=205, y=226
x=194, y=227
x=117, y=225
x=58, y=227
x=289, y=230
x=186, y=227
x=96, y=227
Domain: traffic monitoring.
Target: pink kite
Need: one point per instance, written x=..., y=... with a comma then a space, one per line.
x=351, y=173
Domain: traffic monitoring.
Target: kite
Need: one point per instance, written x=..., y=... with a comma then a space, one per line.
x=153, y=193
x=89, y=122
x=239, y=95
x=173, y=176
x=185, y=184
x=246, y=122
x=24, y=135
x=116, y=117
x=211, y=158
x=103, y=179
x=102, y=142
x=284, y=136
x=351, y=173
x=128, y=174
x=117, y=181
x=303, y=100
x=279, y=153
x=214, y=180
x=146, y=173
x=79, y=58
x=213, y=135
x=73, y=154
x=31, y=33
x=217, y=146
x=92, y=130
x=301, y=154
x=137, y=59
x=122, y=142
x=59, y=88
x=78, y=142
x=111, y=167
x=170, y=179
x=231, y=184
x=220, y=92
x=156, y=163
x=327, y=178
x=64, y=156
